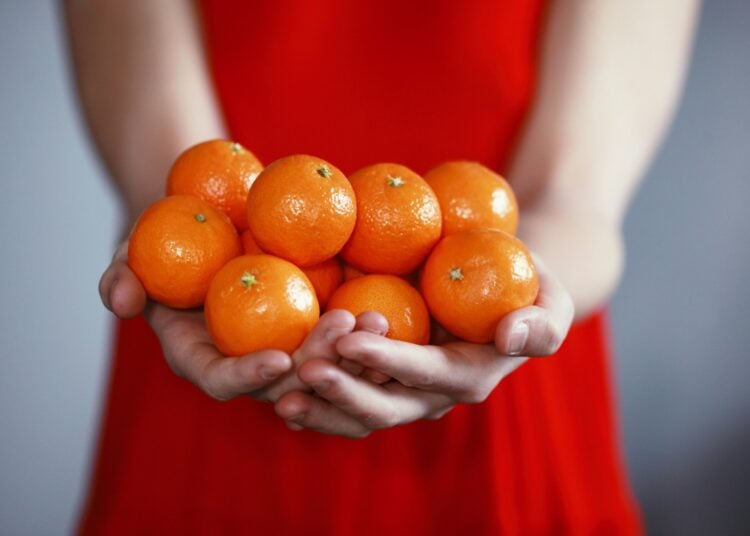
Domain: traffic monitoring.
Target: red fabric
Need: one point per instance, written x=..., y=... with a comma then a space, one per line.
x=415, y=82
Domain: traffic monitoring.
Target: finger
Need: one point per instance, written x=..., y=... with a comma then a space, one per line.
x=463, y=371
x=197, y=360
x=375, y=376
x=119, y=288
x=127, y=296
x=105, y=285
x=540, y=329
x=320, y=343
x=372, y=322
x=294, y=426
x=440, y=406
x=224, y=378
x=373, y=406
x=301, y=410
x=430, y=368
x=352, y=367
x=108, y=277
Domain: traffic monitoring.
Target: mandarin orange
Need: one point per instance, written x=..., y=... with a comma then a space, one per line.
x=177, y=246
x=473, y=196
x=391, y=296
x=474, y=278
x=258, y=302
x=325, y=277
x=398, y=220
x=301, y=208
x=249, y=246
x=350, y=272
x=218, y=171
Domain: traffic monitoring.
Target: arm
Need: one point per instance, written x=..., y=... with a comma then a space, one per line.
x=608, y=85
x=145, y=91
x=144, y=88
x=609, y=79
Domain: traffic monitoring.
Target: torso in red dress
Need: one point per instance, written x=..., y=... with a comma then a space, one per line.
x=360, y=82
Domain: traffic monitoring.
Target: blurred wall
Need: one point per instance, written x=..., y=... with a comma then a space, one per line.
x=682, y=314
x=681, y=318
x=57, y=227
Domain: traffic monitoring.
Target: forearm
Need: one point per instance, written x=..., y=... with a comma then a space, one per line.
x=609, y=81
x=143, y=86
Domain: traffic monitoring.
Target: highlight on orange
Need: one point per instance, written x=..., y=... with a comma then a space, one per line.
x=398, y=220
x=474, y=278
x=325, y=277
x=391, y=296
x=220, y=172
x=178, y=244
x=259, y=302
x=472, y=196
x=302, y=209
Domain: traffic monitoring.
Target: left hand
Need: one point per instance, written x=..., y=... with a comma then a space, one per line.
x=430, y=380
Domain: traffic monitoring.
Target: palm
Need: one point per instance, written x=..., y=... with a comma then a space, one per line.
x=187, y=345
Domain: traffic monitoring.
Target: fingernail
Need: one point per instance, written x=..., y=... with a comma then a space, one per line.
x=518, y=337
x=297, y=419
x=111, y=294
x=268, y=373
x=332, y=335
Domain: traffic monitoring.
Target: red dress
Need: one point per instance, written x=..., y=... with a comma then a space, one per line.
x=360, y=82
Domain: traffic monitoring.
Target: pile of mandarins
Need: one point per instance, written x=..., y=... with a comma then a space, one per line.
x=313, y=238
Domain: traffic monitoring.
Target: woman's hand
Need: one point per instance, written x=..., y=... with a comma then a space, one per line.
x=191, y=354
x=430, y=380
x=185, y=339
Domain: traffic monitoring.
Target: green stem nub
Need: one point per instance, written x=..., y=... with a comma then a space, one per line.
x=455, y=274
x=324, y=171
x=236, y=148
x=248, y=280
x=200, y=218
x=395, y=181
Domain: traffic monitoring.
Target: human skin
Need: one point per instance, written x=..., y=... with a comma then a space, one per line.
x=609, y=79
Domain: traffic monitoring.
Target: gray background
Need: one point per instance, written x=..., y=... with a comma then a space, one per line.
x=680, y=318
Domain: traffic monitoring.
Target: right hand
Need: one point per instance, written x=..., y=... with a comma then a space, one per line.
x=191, y=354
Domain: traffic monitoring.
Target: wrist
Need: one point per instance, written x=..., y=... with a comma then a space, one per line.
x=582, y=248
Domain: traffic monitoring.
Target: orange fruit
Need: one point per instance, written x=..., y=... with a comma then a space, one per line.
x=474, y=278
x=258, y=302
x=302, y=209
x=398, y=220
x=473, y=196
x=249, y=245
x=325, y=277
x=350, y=272
x=177, y=246
x=391, y=296
x=218, y=171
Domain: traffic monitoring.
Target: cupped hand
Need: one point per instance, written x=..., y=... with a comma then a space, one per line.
x=185, y=340
x=191, y=354
x=429, y=380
